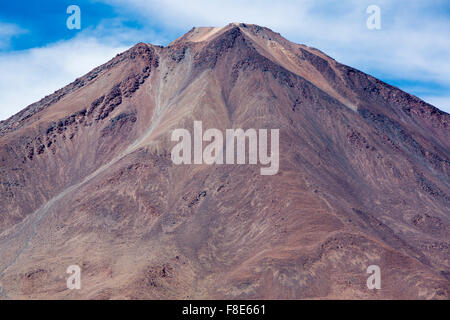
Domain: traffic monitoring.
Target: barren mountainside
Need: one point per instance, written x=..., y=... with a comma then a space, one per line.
x=86, y=178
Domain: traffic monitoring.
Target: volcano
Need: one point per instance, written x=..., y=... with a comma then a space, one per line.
x=87, y=179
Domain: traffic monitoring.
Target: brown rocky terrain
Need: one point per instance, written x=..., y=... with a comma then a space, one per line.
x=86, y=179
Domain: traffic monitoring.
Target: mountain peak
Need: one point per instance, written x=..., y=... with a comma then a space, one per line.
x=204, y=34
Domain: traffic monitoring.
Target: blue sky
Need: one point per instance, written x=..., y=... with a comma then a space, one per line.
x=39, y=54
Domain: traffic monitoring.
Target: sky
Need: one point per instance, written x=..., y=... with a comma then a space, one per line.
x=39, y=54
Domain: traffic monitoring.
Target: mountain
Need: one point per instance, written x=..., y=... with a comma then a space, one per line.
x=87, y=179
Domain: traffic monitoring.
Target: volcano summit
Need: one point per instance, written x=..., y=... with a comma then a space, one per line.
x=87, y=179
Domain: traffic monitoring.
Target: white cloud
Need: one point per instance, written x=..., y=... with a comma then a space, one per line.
x=7, y=32
x=29, y=75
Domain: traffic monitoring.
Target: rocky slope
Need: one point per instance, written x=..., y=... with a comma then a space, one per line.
x=87, y=179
